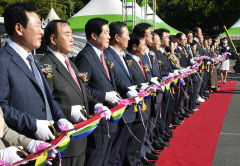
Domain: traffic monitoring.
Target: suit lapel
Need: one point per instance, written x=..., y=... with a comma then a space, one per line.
x=21, y=64
x=98, y=62
x=137, y=67
x=64, y=72
x=120, y=62
x=84, y=94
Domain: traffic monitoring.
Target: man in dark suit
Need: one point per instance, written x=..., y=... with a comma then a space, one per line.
x=166, y=68
x=195, y=77
x=198, y=37
x=67, y=86
x=114, y=54
x=143, y=29
x=26, y=98
x=185, y=62
x=102, y=85
x=136, y=49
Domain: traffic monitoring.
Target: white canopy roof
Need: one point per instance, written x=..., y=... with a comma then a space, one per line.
x=1, y=20
x=100, y=7
x=52, y=15
x=236, y=24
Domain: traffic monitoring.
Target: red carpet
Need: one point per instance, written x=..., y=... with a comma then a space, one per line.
x=195, y=141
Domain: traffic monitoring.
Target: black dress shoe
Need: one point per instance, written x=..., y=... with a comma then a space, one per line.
x=145, y=161
x=205, y=97
x=172, y=127
x=180, y=117
x=158, y=147
x=177, y=123
x=165, y=138
x=151, y=156
x=140, y=164
x=186, y=115
x=165, y=143
x=190, y=111
x=156, y=152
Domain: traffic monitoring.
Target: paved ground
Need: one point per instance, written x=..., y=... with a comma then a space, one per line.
x=228, y=148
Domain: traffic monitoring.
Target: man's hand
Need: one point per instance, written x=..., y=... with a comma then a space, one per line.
x=112, y=98
x=133, y=94
x=10, y=155
x=64, y=124
x=76, y=114
x=103, y=110
x=43, y=132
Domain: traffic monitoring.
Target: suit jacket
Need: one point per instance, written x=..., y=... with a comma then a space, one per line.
x=200, y=49
x=11, y=137
x=67, y=93
x=138, y=78
x=165, y=65
x=98, y=83
x=184, y=61
x=21, y=98
x=126, y=78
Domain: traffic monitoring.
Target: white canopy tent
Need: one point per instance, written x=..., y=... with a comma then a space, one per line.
x=52, y=15
x=234, y=31
x=110, y=10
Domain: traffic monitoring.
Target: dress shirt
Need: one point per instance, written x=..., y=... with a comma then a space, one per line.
x=149, y=60
x=121, y=56
x=136, y=58
x=61, y=58
x=190, y=50
x=162, y=51
x=21, y=52
x=98, y=52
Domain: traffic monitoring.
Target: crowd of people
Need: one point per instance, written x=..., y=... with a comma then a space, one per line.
x=54, y=93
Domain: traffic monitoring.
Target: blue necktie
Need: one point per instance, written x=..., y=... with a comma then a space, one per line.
x=40, y=83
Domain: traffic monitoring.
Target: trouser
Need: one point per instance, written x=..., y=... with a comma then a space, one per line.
x=119, y=146
x=99, y=143
x=71, y=161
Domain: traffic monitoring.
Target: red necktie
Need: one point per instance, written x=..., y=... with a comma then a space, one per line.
x=72, y=73
x=105, y=66
x=141, y=66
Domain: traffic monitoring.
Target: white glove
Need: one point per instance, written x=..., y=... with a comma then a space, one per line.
x=35, y=146
x=111, y=98
x=43, y=132
x=133, y=87
x=76, y=114
x=133, y=94
x=64, y=124
x=144, y=86
x=9, y=154
x=176, y=72
x=155, y=81
x=171, y=74
x=105, y=111
x=192, y=61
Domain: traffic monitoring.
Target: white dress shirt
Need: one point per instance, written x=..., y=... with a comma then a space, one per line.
x=61, y=58
x=147, y=53
x=136, y=58
x=98, y=52
x=121, y=55
x=21, y=52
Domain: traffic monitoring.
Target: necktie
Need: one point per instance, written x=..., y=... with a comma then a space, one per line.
x=40, y=83
x=105, y=66
x=72, y=73
x=183, y=51
x=141, y=66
